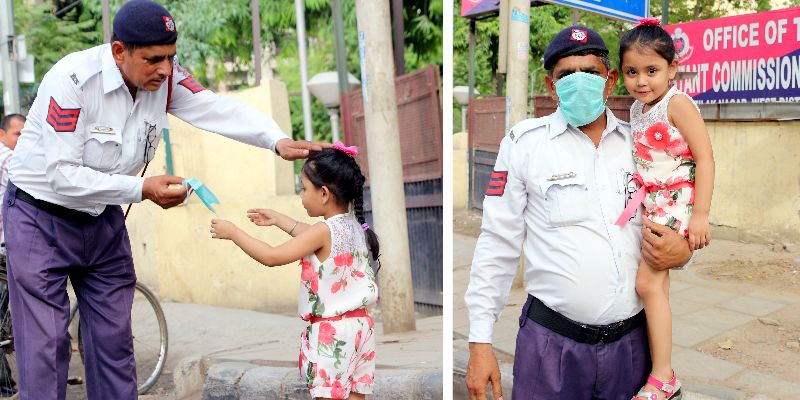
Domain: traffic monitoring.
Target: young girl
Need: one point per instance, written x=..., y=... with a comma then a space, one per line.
x=675, y=166
x=337, y=349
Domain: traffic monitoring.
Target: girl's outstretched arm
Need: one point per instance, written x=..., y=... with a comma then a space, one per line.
x=684, y=116
x=269, y=217
x=311, y=240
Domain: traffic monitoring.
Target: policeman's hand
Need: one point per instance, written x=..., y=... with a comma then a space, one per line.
x=293, y=150
x=157, y=190
x=663, y=248
x=482, y=369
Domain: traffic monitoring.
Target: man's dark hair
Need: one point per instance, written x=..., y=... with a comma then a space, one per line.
x=340, y=173
x=5, y=123
x=651, y=37
x=128, y=46
x=602, y=55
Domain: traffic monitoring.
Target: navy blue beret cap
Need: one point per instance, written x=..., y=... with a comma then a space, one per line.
x=144, y=22
x=570, y=41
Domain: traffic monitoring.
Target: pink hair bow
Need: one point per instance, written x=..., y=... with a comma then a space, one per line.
x=349, y=150
x=649, y=21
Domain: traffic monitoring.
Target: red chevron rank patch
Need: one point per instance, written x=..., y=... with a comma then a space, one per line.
x=62, y=119
x=497, y=183
x=192, y=84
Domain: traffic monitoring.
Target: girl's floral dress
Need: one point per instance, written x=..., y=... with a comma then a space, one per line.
x=338, y=356
x=665, y=165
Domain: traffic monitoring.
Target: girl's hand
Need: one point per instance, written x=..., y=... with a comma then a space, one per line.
x=699, y=235
x=262, y=216
x=222, y=229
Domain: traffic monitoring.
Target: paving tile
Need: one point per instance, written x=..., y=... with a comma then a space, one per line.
x=775, y=386
x=463, y=249
x=682, y=306
x=717, y=318
x=706, y=295
x=505, y=334
x=676, y=286
x=689, y=333
x=756, y=306
x=692, y=364
x=461, y=318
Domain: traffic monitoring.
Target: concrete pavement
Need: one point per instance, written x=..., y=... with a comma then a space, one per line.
x=702, y=310
x=219, y=353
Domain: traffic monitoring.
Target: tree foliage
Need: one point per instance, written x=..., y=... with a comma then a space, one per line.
x=547, y=20
x=215, y=39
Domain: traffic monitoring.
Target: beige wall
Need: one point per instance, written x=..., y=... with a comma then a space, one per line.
x=173, y=249
x=757, y=184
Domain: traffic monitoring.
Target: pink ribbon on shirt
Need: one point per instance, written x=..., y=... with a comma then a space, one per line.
x=638, y=197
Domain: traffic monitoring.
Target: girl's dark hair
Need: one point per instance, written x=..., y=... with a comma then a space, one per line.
x=652, y=37
x=340, y=173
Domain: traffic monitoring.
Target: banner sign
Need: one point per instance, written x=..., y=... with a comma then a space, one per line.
x=474, y=8
x=628, y=10
x=752, y=58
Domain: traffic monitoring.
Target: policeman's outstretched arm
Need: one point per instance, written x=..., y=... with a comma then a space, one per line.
x=482, y=369
x=157, y=189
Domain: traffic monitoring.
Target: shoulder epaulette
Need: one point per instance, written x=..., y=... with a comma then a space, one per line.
x=80, y=75
x=527, y=125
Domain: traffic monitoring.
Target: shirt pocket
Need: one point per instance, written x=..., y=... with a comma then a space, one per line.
x=626, y=188
x=150, y=136
x=102, y=148
x=566, y=200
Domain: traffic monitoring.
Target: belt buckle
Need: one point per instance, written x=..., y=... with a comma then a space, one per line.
x=607, y=331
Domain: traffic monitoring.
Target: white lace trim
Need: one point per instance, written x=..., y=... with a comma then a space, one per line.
x=346, y=234
x=640, y=121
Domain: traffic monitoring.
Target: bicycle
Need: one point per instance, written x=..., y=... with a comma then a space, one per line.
x=149, y=347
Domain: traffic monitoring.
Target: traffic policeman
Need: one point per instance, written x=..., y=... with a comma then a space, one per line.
x=557, y=186
x=96, y=122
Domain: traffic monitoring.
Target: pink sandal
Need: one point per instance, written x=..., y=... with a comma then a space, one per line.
x=671, y=389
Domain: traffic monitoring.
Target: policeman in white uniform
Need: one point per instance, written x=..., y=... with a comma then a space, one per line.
x=96, y=122
x=558, y=185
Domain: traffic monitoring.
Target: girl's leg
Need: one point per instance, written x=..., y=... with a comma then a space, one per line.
x=653, y=287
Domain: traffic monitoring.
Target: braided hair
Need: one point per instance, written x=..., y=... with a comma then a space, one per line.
x=340, y=173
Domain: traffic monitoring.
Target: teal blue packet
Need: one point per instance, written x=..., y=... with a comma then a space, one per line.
x=203, y=192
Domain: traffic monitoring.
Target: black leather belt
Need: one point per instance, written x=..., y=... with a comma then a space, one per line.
x=591, y=334
x=54, y=209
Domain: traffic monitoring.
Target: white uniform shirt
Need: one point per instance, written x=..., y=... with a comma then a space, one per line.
x=555, y=197
x=86, y=138
x=5, y=157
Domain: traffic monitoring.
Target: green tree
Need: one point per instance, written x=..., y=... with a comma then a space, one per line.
x=227, y=38
x=547, y=20
x=217, y=46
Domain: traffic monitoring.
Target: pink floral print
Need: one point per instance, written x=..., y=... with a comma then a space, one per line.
x=337, y=357
x=666, y=164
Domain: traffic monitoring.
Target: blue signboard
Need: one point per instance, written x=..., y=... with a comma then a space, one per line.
x=628, y=10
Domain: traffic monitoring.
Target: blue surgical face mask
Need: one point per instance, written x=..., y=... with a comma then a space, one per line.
x=581, y=97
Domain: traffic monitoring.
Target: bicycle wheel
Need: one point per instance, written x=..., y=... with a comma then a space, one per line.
x=8, y=357
x=149, y=337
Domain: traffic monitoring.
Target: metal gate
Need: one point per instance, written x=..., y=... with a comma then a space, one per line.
x=420, y=119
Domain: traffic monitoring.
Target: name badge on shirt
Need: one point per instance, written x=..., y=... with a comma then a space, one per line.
x=565, y=175
x=103, y=129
